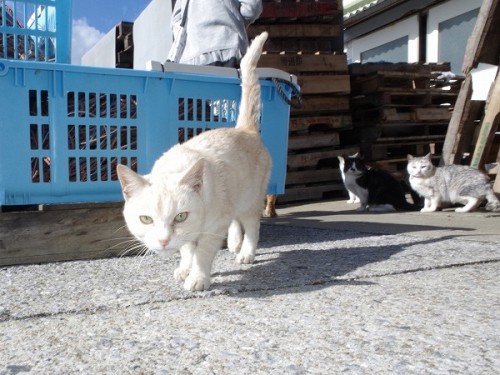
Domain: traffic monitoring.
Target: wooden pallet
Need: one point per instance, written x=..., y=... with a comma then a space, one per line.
x=312, y=192
x=306, y=39
x=300, y=63
x=301, y=26
x=404, y=114
x=401, y=109
x=301, y=11
x=313, y=140
x=124, y=45
x=314, y=157
x=399, y=149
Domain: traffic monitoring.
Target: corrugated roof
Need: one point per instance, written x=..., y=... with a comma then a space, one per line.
x=355, y=7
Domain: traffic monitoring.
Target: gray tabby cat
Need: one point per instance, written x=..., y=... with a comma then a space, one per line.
x=450, y=184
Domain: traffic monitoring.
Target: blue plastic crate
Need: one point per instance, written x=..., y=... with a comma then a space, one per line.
x=64, y=128
x=36, y=30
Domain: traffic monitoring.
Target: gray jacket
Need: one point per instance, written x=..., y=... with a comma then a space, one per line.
x=216, y=29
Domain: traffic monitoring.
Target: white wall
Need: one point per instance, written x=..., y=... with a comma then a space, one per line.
x=441, y=13
x=103, y=53
x=152, y=33
x=407, y=27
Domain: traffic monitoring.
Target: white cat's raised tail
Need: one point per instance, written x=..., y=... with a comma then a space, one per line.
x=205, y=189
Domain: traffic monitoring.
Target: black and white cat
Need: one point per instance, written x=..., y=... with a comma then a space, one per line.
x=353, y=198
x=377, y=190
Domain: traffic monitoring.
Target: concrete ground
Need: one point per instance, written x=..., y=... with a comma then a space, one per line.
x=478, y=225
x=332, y=291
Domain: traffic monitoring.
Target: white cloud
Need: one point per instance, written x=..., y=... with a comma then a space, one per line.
x=83, y=38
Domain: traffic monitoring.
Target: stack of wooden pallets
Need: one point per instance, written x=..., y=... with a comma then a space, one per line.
x=311, y=47
x=401, y=109
x=124, y=45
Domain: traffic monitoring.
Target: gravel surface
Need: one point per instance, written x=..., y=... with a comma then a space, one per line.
x=316, y=301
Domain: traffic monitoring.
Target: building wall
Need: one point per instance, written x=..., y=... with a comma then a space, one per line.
x=452, y=20
x=405, y=28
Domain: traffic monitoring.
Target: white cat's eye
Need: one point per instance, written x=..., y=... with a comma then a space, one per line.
x=147, y=220
x=181, y=217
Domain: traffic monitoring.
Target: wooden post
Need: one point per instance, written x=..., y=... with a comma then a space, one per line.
x=489, y=125
x=496, y=185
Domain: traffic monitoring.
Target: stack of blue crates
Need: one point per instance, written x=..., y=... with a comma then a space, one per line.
x=64, y=128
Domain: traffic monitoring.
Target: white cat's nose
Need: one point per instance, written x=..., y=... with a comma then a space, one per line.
x=164, y=242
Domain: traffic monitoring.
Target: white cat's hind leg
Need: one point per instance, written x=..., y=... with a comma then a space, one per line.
x=234, y=237
x=471, y=204
x=182, y=272
x=251, y=227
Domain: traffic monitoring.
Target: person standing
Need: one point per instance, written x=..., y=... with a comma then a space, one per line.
x=215, y=30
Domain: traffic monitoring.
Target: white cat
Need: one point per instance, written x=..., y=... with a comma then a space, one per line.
x=205, y=188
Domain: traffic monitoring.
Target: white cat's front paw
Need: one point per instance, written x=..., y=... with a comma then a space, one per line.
x=180, y=274
x=462, y=209
x=427, y=209
x=196, y=282
x=245, y=258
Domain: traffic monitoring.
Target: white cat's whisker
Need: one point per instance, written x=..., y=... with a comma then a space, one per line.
x=137, y=247
x=120, y=228
x=121, y=243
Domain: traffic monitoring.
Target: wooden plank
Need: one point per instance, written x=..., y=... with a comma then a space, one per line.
x=488, y=126
x=413, y=98
x=59, y=235
x=358, y=69
x=308, y=45
x=323, y=105
x=298, y=63
x=299, y=10
x=311, y=159
x=392, y=114
x=313, y=176
x=496, y=184
x=298, y=193
x=298, y=142
x=324, y=84
x=459, y=119
x=331, y=122
x=431, y=114
x=381, y=83
x=296, y=30
x=481, y=45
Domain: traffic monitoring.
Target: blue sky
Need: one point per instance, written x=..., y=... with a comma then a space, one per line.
x=92, y=19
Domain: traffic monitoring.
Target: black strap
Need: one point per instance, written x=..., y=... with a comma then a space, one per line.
x=184, y=14
x=295, y=92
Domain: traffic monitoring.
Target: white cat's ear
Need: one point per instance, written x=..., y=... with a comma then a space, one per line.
x=194, y=177
x=341, y=158
x=409, y=157
x=428, y=156
x=131, y=182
